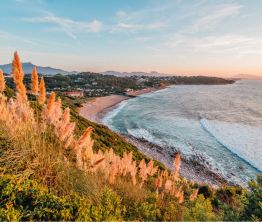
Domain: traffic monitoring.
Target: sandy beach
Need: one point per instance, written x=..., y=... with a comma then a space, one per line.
x=94, y=108
x=91, y=109
x=194, y=170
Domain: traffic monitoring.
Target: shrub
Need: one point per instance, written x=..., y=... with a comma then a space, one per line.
x=253, y=208
x=148, y=210
x=201, y=210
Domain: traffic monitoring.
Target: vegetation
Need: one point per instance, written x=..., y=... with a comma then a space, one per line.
x=50, y=170
x=94, y=84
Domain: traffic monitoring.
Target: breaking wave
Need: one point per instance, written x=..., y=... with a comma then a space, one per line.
x=243, y=140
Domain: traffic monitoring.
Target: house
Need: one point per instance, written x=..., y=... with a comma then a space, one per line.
x=74, y=94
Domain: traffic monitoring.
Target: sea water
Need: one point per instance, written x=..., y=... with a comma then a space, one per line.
x=222, y=123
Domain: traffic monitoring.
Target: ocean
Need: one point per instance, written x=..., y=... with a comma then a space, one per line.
x=222, y=123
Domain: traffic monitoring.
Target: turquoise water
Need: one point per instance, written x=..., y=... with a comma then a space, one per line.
x=223, y=123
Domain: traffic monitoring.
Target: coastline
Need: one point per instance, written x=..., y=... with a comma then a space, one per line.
x=192, y=169
x=95, y=108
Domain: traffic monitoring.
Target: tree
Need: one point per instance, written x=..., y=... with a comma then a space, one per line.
x=253, y=209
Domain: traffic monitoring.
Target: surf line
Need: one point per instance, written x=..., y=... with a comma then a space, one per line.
x=204, y=127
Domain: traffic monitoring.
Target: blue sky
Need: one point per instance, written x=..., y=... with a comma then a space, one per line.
x=210, y=37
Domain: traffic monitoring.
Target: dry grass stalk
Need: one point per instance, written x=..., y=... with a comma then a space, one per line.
x=142, y=172
x=34, y=78
x=193, y=195
x=168, y=185
x=42, y=92
x=18, y=76
x=176, y=165
x=18, y=116
x=2, y=82
x=181, y=197
x=159, y=180
x=51, y=102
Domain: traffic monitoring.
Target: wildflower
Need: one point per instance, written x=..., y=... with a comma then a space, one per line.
x=34, y=78
x=2, y=82
x=42, y=92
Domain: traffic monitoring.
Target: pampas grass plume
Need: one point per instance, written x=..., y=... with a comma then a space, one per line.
x=42, y=92
x=2, y=82
x=34, y=78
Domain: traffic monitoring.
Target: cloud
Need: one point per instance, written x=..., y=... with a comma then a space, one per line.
x=30, y=1
x=230, y=44
x=121, y=14
x=214, y=15
x=68, y=26
x=148, y=18
x=135, y=27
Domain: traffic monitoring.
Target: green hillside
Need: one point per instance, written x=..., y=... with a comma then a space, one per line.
x=56, y=165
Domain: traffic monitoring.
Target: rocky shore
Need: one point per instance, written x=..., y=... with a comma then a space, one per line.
x=193, y=168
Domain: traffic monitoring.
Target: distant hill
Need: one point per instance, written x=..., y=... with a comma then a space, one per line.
x=246, y=76
x=28, y=67
x=125, y=74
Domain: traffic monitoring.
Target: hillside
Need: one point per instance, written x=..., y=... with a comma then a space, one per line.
x=95, y=84
x=55, y=165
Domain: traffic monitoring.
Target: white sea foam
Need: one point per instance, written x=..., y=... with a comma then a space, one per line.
x=107, y=119
x=144, y=134
x=229, y=138
x=243, y=140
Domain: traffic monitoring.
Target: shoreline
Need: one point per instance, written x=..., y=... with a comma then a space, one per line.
x=191, y=169
x=95, y=108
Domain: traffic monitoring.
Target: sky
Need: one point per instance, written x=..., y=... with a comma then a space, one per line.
x=185, y=37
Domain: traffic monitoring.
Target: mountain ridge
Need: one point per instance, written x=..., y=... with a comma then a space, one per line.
x=28, y=67
x=127, y=74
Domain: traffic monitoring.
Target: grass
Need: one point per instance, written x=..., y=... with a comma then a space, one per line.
x=39, y=180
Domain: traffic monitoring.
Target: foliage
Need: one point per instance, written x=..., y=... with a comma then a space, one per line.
x=95, y=84
x=25, y=199
x=201, y=211
x=43, y=179
x=253, y=208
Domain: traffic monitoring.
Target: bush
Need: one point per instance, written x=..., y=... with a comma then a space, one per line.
x=149, y=210
x=253, y=208
x=25, y=199
x=201, y=210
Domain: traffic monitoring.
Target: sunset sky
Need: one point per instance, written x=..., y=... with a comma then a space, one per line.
x=208, y=37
